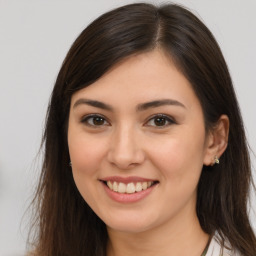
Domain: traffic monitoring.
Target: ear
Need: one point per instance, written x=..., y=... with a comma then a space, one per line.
x=217, y=140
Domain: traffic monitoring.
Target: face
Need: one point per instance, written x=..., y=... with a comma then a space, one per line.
x=137, y=143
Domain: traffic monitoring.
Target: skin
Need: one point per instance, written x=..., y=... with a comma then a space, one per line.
x=129, y=141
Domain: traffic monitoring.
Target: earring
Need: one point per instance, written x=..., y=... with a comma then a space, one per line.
x=216, y=160
x=70, y=164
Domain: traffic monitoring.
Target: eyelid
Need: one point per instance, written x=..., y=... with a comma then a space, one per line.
x=168, y=118
x=85, y=118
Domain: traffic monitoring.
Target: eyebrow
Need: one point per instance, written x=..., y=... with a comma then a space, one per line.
x=93, y=103
x=159, y=103
x=140, y=107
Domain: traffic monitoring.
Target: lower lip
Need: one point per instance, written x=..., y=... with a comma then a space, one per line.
x=128, y=198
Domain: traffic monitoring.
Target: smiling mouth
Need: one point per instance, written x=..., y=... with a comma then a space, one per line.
x=129, y=188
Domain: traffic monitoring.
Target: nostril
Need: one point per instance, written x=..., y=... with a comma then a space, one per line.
x=125, y=154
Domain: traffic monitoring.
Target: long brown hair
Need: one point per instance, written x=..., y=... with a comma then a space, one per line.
x=65, y=224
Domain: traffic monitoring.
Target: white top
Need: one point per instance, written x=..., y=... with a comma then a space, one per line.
x=215, y=249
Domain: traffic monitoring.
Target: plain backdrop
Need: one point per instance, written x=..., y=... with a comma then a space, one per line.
x=34, y=39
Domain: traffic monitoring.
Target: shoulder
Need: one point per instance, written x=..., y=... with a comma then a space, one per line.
x=215, y=249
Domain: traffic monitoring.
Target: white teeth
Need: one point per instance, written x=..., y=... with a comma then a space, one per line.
x=144, y=185
x=129, y=188
x=115, y=186
x=138, y=187
x=110, y=185
x=121, y=188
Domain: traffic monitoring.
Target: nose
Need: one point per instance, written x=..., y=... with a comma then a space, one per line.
x=125, y=150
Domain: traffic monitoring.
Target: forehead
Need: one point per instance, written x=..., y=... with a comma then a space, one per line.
x=143, y=77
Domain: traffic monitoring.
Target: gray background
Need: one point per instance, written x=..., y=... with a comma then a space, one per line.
x=34, y=38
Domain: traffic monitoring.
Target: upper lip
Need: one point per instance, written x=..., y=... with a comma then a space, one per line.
x=126, y=180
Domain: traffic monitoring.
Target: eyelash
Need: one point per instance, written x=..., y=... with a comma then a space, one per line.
x=92, y=117
x=167, y=121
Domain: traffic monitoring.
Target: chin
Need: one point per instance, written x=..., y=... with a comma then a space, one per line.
x=128, y=227
x=131, y=223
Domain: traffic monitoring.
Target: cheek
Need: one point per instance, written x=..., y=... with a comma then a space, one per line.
x=180, y=158
x=85, y=153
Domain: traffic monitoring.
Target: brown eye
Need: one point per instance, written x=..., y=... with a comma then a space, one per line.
x=98, y=120
x=160, y=121
x=95, y=120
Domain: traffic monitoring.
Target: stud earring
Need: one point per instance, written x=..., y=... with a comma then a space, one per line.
x=70, y=164
x=216, y=160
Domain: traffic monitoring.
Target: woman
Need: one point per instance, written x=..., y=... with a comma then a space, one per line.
x=145, y=150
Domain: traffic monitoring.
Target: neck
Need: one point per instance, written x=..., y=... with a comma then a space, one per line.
x=183, y=239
